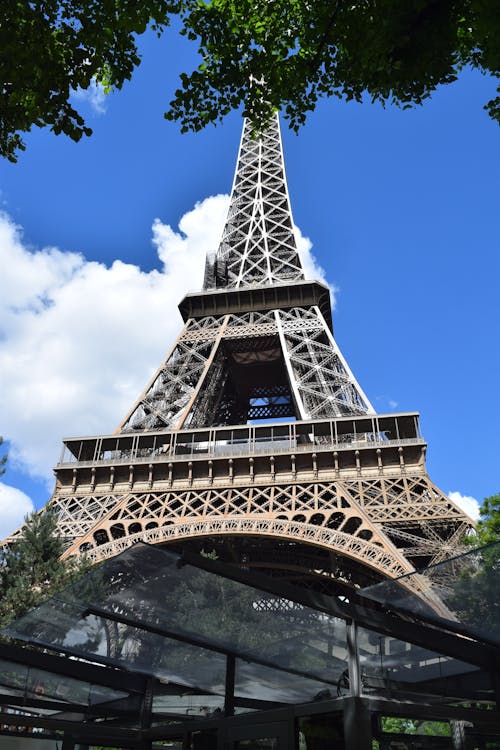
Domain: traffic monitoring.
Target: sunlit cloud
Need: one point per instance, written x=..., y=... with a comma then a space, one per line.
x=15, y=505
x=79, y=339
x=94, y=96
x=466, y=503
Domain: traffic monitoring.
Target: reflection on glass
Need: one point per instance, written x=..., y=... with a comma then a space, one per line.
x=147, y=611
x=193, y=706
x=391, y=667
x=267, y=684
x=33, y=683
x=464, y=589
x=267, y=743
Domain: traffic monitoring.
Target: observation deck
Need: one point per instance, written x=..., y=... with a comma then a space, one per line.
x=260, y=297
x=279, y=451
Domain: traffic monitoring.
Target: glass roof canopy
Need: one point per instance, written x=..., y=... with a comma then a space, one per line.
x=211, y=640
x=146, y=611
x=465, y=591
x=41, y=685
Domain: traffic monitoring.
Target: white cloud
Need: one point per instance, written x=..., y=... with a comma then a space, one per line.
x=14, y=506
x=94, y=96
x=467, y=503
x=312, y=269
x=183, y=253
x=79, y=340
x=385, y=403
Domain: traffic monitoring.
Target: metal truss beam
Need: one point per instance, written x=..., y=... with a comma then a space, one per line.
x=258, y=243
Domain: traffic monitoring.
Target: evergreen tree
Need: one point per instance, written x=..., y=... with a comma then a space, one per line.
x=3, y=460
x=31, y=570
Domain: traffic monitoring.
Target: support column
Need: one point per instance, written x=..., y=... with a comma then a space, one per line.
x=353, y=660
x=145, y=714
x=357, y=724
x=230, y=676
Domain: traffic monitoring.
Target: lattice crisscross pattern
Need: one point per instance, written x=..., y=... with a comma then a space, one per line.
x=258, y=244
x=324, y=383
x=173, y=385
x=406, y=517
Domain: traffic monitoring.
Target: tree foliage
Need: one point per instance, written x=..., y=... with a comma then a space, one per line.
x=476, y=594
x=3, y=460
x=49, y=48
x=256, y=53
x=31, y=569
x=392, y=51
x=488, y=527
x=426, y=727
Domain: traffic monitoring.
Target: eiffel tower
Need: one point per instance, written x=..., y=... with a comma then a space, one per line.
x=254, y=439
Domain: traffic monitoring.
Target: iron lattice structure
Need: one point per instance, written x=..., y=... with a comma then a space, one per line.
x=330, y=492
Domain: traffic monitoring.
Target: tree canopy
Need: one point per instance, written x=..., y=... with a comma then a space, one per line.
x=476, y=595
x=31, y=569
x=259, y=54
x=488, y=526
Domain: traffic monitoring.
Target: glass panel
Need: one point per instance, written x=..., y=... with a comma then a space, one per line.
x=267, y=684
x=204, y=741
x=193, y=706
x=267, y=743
x=30, y=682
x=398, y=733
x=477, y=740
x=464, y=589
x=165, y=602
x=88, y=635
x=12, y=677
x=392, y=667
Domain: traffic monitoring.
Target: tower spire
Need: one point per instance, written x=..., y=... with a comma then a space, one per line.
x=288, y=364
x=258, y=243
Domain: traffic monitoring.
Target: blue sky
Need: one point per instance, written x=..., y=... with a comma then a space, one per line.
x=401, y=209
